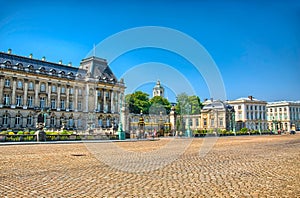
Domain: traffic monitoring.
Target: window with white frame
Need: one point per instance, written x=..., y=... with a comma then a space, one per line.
x=79, y=105
x=70, y=104
x=43, y=87
x=42, y=102
x=53, y=103
x=63, y=90
x=71, y=91
x=30, y=101
x=18, y=119
x=29, y=120
x=6, y=99
x=19, y=100
x=7, y=83
x=62, y=104
x=20, y=84
x=30, y=86
x=5, y=119
x=53, y=88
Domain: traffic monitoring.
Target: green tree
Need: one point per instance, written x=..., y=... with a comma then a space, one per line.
x=188, y=104
x=137, y=102
x=159, y=104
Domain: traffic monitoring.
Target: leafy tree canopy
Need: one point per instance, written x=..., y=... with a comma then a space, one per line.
x=159, y=104
x=137, y=102
x=188, y=104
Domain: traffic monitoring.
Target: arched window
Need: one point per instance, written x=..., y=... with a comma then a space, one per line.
x=18, y=119
x=107, y=122
x=30, y=86
x=71, y=122
x=20, y=84
x=53, y=88
x=5, y=119
x=7, y=83
x=100, y=122
x=63, y=90
x=29, y=120
x=43, y=87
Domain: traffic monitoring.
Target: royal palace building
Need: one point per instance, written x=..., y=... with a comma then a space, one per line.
x=75, y=98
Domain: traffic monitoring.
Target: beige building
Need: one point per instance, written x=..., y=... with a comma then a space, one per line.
x=76, y=98
x=283, y=115
x=250, y=113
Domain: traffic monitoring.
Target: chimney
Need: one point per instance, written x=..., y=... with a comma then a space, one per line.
x=9, y=51
x=60, y=62
x=43, y=58
x=70, y=64
x=30, y=55
x=250, y=97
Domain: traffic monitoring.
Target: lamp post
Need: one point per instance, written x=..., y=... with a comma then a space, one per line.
x=141, y=124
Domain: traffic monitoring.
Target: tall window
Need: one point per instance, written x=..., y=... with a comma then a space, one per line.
x=80, y=92
x=53, y=103
x=5, y=119
x=30, y=86
x=42, y=102
x=6, y=99
x=79, y=106
x=63, y=90
x=7, y=83
x=221, y=122
x=100, y=122
x=43, y=87
x=197, y=122
x=20, y=85
x=52, y=120
x=71, y=122
x=71, y=91
x=19, y=100
x=29, y=120
x=70, y=104
x=30, y=101
x=18, y=119
x=53, y=88
x=62, y=104
x=212, y=122
x=204, y=121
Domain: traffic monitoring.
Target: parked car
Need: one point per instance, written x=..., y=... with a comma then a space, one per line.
x=292, y=132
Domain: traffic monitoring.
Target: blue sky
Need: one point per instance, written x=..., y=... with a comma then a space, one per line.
x=256, y=45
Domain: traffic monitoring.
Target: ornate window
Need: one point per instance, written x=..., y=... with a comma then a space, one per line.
x=30, y=86
x=63, y=90
x=19, y=100
x=53, y=88
x=6, y=99
x=29, y=120
x=80, y=92
x=62, y=104
x=53, y=103
x=5, y=119
x=30, y=101
x=79, y=105
x=71, y=91
x=43, y=87
x=7, y=83
x=18, y=119
x=70, y=104
x=42, y=102
x=20, y=84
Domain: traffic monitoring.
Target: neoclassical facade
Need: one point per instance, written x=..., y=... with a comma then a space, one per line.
x=283, y=115
x=77, y=98
x=250, y=113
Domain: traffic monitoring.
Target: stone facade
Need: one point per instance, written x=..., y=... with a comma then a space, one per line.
x=283, y=115
x=81, y=97
x=250, y=113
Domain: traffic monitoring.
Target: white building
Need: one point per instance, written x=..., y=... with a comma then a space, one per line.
x=158, y=90
x=250, y=113
x=283, y=115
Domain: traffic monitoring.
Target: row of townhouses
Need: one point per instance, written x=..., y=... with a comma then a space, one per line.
x=89, y=96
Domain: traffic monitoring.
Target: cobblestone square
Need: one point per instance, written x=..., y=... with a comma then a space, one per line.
x=242, y=166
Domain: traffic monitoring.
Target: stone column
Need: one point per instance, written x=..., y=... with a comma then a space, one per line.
x=104, y=102
x=25, y=93
x=36, y=94
x=49, y=95
x=68, y=97
x=13, y=98
x=58, y=97
x=1, y=88
x=76, y=98
x=96, y=99
x=112, y=109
